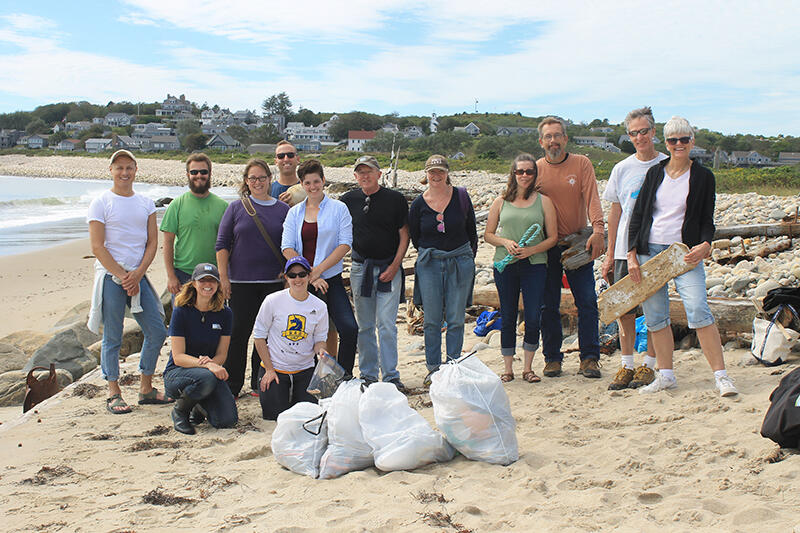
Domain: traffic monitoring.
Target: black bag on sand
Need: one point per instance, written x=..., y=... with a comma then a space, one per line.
x=782, y=421
x=782, y=295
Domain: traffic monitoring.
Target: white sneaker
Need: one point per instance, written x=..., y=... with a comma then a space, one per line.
x=726, y=387
x=659, y=383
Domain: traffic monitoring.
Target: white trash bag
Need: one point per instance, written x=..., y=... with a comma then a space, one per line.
x=401, y=439
x=347, y=449
x=770, y=346
x=471, y=409
x=300, y=438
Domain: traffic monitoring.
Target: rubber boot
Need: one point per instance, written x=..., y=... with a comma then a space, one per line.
x=180, y=415
x=197, y=416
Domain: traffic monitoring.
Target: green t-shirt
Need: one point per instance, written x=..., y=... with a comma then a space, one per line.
x=515, y=221
x=195, y=222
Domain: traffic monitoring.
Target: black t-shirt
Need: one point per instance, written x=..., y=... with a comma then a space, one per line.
x=375, y=233
x=200, y=330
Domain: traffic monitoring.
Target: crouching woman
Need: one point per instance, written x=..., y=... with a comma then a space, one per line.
x=200, y=332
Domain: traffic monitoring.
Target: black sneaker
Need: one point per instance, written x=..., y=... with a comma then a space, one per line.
x=399, y=384
x=368, y=381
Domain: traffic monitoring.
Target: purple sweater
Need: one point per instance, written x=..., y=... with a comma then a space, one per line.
x=251, y=258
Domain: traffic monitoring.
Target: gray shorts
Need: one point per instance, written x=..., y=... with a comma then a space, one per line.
x=620, y=271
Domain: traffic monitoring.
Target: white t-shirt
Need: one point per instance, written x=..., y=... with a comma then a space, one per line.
x=670, y=209
x=125, y=221
x=623, y=188
x=291, y=328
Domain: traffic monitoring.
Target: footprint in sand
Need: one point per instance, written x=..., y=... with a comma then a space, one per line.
x=650, y=497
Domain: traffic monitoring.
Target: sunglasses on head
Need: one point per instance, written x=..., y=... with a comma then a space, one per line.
x=672, y=141
x=301, y=274
x=528, y=171
x=636, y=133
x=202, y=172
x=285, y=154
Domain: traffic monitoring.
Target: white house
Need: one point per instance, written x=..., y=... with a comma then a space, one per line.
x=95, y=145
x=356, y=139
x=174, y=105
x=300, y=132
x=752, y=158
x=603, y=129
x=117, y=119
x=81, y=125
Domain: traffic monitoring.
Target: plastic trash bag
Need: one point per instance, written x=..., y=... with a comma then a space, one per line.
x=486, y=322
x=400, y=437
x=471, y=409
x=347, y=449
x=641, y=335
x=328, y=374
x=300, y=438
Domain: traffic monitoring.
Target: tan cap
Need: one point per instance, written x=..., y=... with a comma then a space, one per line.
x=437, y=161
x=367, y=160
x=119, y=153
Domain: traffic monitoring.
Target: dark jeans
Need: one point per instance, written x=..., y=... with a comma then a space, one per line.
x=289, y=390
x=246, y=299
x=520, y=276
x=581, y=283
x=201, y=385
x=341, y=312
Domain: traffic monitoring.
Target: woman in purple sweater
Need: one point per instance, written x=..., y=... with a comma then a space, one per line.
x=249, y=269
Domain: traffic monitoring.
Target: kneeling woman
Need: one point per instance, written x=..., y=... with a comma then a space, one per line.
x=200, y=331
x=291, y=328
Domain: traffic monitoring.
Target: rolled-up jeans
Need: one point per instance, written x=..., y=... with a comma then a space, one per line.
x=520, y=276
x=445, y=282
x=201, y=385
x=691, y=287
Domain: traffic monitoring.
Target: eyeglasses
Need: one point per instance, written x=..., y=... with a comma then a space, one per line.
x=440, y=220
x=366, y=204
x=551, y=136
x=260, y=179
x=202, y=172
x=301, y=274
x=286, y=154
x=672, y=141
x=521, y=171
x=636, y=133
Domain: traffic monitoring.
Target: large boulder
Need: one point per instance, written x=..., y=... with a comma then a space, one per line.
x=132, y=340
x=11, y=357
x=75, y=319
x=12, y=384
x=26, y=340
x=67, y=352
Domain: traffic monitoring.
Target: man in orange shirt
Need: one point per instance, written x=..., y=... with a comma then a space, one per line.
x=569, y=181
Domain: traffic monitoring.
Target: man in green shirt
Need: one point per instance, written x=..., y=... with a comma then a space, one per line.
x=190, y=224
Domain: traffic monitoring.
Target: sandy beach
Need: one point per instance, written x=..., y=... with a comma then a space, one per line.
x=590, y=459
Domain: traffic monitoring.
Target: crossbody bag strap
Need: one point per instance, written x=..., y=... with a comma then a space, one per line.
x=251, y=210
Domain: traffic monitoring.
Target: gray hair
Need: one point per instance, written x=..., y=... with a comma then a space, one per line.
x=677, y=126
x=551, y=120
x=645, y=112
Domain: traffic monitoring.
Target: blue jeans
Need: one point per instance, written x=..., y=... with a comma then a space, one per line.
x=692, y=288
x=378, y=311
x=581, y=283
x=201, y=385
x=115, y=300
x=520, y=276
x=341, y=312
x=445, y=284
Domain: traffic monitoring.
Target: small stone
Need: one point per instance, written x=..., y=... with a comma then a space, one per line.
x=777, y=214
x=713, y=282
x=721, y=244
x=740, y=283
x=765, y=287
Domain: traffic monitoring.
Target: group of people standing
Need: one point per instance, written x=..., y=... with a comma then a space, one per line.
x=246, y=253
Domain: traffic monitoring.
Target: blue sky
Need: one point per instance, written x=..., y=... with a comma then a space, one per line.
x=729, y=66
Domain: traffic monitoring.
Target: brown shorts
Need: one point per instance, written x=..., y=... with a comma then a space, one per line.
x=620, y=271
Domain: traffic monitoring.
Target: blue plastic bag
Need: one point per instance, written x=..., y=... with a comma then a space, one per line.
x=641, y=335
x=486, y=322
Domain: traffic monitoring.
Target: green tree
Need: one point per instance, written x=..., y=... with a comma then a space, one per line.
x=187, y=127
x=17, y=120
x=96, y=131
x=194, y=141
x=57, y=137
x=383, y=142
x=355, y=120
x=306, y=116
x=36, y=125
x=266, y=134
x=52, y=113
x=239, y=133
x=277, y=104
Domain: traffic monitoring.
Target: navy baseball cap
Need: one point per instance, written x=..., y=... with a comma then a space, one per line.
x=297, y=260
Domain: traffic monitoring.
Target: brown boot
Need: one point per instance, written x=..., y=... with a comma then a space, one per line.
x=552, y=369
x=590, y=368
x=643, y=376
x=622, y=379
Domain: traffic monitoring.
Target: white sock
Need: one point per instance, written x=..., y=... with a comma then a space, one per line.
x=627, y=361
x=649, y=362
x=720, y=374
x=668, y=373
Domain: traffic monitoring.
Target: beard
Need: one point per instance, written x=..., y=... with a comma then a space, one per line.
x=554, y=154
x=201, y=187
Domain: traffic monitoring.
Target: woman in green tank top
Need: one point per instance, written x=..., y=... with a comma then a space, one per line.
x=520, y=207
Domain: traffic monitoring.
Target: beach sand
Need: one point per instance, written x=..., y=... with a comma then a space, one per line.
x=590, y=459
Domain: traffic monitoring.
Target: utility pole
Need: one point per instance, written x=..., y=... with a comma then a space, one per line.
x=476, y=106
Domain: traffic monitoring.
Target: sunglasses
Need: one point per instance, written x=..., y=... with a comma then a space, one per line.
x=301, y=274
x=285, y=154
x=636, y=133
x=528, y=171
x=366, y=204
x=672, y=141
x=254, y=179
x=202, y=172
x=440, y=220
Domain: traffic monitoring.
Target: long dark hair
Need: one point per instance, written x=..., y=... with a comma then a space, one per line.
x=511, y=187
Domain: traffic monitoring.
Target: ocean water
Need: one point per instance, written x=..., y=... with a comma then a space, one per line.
x=36, y=213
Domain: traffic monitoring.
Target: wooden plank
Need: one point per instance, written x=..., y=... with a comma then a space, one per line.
x=757, y=230
x=624, y=295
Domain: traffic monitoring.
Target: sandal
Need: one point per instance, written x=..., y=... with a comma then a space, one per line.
x=531, y=377
x=505, y=378
x=117, y=406
x=151, y=398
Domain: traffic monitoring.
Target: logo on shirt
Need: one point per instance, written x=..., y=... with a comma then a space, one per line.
x=295, y=328
x=216, y=326
x=572, y=180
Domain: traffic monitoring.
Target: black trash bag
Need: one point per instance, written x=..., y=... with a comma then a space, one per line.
x=782, y=421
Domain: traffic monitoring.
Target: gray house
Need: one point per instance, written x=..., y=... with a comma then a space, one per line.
x=162, y=143
x=37, y=141
x=68, y=145
x=94, y=146
x=223, y=142
x=470, y=128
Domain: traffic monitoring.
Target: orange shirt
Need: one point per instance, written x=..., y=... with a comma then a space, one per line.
x=572, y=187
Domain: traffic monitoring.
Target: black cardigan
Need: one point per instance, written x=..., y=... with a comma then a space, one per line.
x=698, y=221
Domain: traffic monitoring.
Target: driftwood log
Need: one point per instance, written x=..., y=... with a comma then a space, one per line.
x=758, y=230
x=740, y=253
